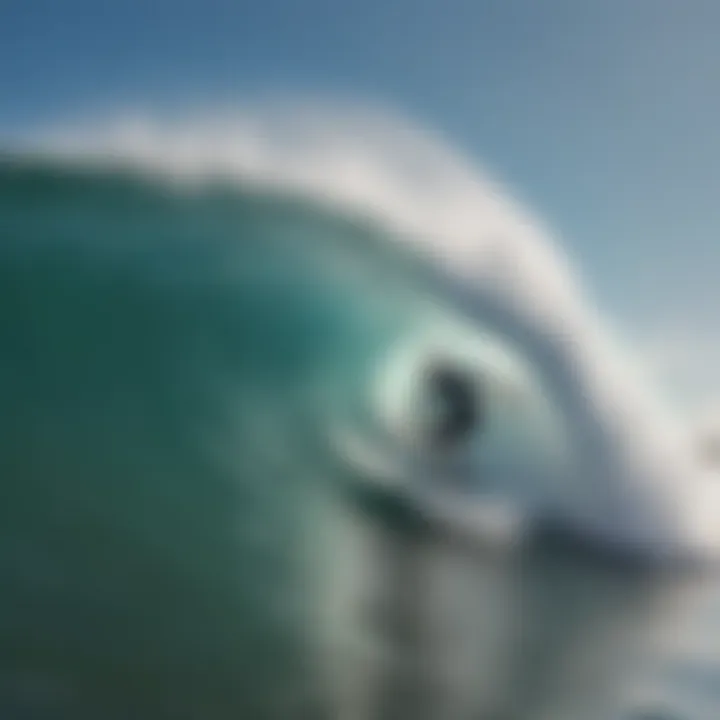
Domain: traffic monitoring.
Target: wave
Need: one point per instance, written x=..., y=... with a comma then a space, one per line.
x=217, y=332
x=448, y=236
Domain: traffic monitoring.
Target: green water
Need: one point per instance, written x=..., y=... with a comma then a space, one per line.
x=170, y=361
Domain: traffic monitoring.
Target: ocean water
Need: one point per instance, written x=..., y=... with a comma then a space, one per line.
x=230, y=488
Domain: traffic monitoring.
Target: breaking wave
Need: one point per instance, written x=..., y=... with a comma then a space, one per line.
x=208, y=327
x=391, y=226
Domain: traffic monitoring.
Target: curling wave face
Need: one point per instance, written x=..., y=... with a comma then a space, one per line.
x=465, y=245
x=209, y=328
x=182, y=369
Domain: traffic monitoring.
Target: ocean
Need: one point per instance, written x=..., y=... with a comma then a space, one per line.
x=232, y=485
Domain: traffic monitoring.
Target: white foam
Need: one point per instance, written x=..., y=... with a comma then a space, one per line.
x=643, y=481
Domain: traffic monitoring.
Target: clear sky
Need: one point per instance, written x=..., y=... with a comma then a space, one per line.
x=605, y=114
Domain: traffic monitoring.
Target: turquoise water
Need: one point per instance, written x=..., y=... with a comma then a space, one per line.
x=177, y=539
x=167, y=361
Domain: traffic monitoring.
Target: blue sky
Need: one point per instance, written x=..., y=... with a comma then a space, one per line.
x=604, y=114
